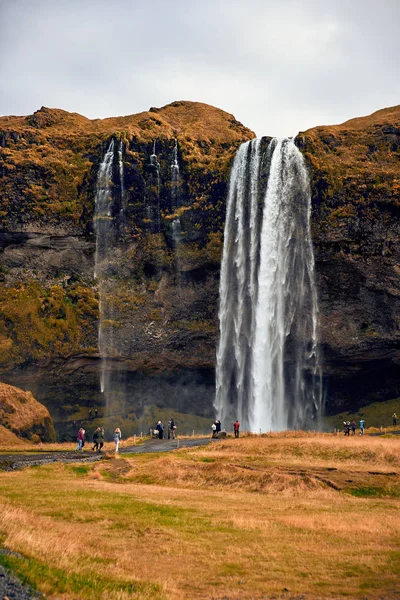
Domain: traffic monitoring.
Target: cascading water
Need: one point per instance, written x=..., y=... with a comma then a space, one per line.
x=268, y=372
x=237, y=288
x=176, y=223
x=121, y=176
x=105, y=237
x=154, y=163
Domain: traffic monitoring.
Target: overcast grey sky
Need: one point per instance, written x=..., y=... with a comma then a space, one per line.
x=279, y=66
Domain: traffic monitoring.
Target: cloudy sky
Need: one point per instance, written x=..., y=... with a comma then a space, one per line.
x=280, y=66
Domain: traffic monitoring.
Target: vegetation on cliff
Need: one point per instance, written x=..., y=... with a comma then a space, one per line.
x=24, y=416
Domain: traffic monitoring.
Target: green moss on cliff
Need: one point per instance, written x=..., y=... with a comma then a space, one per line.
x=36, y=322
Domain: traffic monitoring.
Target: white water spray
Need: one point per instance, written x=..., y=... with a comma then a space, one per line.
x=268, y=372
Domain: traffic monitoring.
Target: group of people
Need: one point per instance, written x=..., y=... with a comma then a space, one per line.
x=93, y=414
x=351, y=426
x=98, y=439
x=216, y=428
x=159, y=430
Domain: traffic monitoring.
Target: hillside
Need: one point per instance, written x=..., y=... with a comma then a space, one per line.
x=24, y=416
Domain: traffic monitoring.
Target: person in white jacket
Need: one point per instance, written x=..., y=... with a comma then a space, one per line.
x=117, y=437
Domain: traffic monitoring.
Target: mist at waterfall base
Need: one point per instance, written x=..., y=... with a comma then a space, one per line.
x=268, y=371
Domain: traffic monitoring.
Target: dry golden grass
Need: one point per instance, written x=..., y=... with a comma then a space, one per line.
x=241, y=518
x=23, y=415
x=19, y=409
x=8, y=439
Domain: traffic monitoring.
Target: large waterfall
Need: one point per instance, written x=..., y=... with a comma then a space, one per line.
x=268, y=373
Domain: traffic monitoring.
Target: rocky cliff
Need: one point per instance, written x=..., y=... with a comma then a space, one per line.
x=160, y=288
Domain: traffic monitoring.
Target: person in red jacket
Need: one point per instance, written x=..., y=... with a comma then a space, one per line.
x=80, y=439
x=236, y=426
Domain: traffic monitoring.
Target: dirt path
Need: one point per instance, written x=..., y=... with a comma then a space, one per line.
x=11, y=462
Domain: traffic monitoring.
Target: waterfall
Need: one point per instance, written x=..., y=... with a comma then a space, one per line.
x=268, y=373
x=154, y=163
x=121, y=176
x=174, y=177
x=237, y=288
x=103, y=222
x=105, y=239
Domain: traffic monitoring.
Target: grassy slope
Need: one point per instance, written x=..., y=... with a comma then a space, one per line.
x=377, y=414
x=9, y=439
x=248, y=518
x=358, y=163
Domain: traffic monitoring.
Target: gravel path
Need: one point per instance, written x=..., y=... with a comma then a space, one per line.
x=11, y=588
x=12, y=462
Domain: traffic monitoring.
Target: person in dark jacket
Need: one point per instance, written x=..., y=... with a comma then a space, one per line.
x=171, y=429
x=160, y=429
x=101, y=439
x=96, y=439
x=218, y=424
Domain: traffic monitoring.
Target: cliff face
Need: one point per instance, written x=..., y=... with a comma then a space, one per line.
x=160, y=283
x=355, y=171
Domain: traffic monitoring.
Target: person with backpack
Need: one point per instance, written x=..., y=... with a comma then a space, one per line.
x=214, y=429
x=117, y=438
x=219, y=427
x=236, y=426
x=80, y=439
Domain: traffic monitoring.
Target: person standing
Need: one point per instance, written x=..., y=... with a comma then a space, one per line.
x=117, y=438
x=100, y=439
x=218, y=424
x=160, y=429
x=236, y=426
x=394, y=419
x=362, y=426
x=80, y=439
x=214, y=429
x=353, y=427
x=171, y=429
x=96, y=439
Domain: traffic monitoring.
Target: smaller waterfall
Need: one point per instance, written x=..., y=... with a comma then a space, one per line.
x=154, y=163
x=121, y=176
x=174, y=177
x=105, y=238
x=103, y=221
x=176, y=223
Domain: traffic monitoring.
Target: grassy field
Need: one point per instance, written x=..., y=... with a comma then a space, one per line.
x=281, y=516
